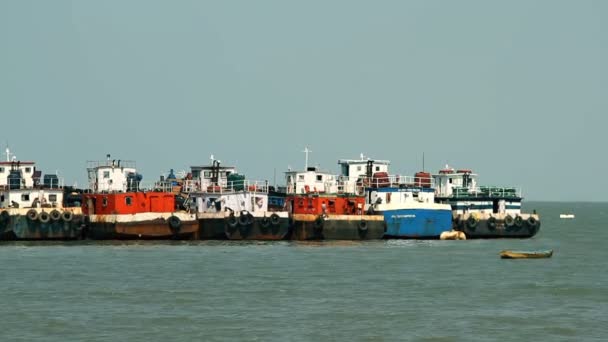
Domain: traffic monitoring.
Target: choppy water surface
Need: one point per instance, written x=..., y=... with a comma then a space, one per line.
x=384, y=290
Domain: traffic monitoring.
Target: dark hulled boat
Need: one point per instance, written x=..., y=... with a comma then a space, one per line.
x=231, y=207
x=484, y=211
x=326, y=207
x=32, y=205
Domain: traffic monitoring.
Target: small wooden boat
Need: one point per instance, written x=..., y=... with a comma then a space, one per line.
x=526, y=254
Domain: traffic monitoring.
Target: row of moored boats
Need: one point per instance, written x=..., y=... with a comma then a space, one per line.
x=364, y=201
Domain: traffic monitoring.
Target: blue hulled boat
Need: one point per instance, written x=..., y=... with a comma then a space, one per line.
x=407, y=203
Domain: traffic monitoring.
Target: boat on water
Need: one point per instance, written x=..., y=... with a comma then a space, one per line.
x=229, y=206
x=32, y=205
x=526, y=254
x=566, y=216
x=483, y=211
x=406, y=203
x=119, y=206
x=324, y=206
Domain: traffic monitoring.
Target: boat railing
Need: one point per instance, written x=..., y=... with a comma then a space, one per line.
x=396, y=181
x=225, y=186
x=52, y=183
x=92, y=164
x=487, y=191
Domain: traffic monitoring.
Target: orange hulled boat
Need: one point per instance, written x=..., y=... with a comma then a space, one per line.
x=119, y=206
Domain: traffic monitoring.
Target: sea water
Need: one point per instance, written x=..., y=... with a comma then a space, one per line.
x=293, y=291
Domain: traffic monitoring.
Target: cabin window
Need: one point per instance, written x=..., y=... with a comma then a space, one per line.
x=450, y=180
x=301, y=178
x=128, y=200
x=28, y=169
x=25, y=197
x=104, y=202
x=359, y=168
x=1, y=170
x=377, y=168
x=106, y=174
x=207, y=174
x=52, y=198
x=319, y=178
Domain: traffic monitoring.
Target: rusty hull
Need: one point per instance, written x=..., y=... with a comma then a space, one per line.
x=19, y=227
x=337, y=227
x=157, y=229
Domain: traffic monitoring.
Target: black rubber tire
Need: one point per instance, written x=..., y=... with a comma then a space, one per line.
x=174, y=223
x=519, y=221
x=55, y=215
x=4, y=217
x=532, y=221
x=231, y=221
x=319, y=222
x=67, y=216
x=265, y=222
x=362, y=225
x=275, y=219
x=472, y=223
x=492, y=223
x=32, y=214
x=44, y=217
x=509, y=221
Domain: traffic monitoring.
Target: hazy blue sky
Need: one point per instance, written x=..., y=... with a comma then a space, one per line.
x=515, y=90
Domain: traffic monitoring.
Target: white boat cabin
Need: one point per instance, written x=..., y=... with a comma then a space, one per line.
x=214, y=175
x=210, y=202
x=460, y=189
x=448, y=179
x=311, y=181
x=113, y=176
x=22, y=186
x=353, y=170
x=395, y=198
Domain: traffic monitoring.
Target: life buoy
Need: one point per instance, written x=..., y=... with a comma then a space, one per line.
x=362, y=225
x=275, y=219
x=55, y=215
x=32, y=214
x=44, y=217
x=67, y=216
x=509, y=221
x=174, y=223
x=472, y=223
x=492, y=223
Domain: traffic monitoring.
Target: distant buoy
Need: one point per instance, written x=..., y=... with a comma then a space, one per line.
x=453, y=235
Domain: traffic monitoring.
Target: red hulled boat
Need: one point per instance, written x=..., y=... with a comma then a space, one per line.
x=119, y=207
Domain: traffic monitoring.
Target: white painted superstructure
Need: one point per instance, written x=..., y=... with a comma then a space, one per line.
x=113, y=175
x=22, y=186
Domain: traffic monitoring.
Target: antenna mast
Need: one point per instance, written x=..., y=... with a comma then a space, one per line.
x=307, y=151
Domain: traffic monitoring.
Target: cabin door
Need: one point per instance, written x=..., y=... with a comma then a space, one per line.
x=91, y=206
